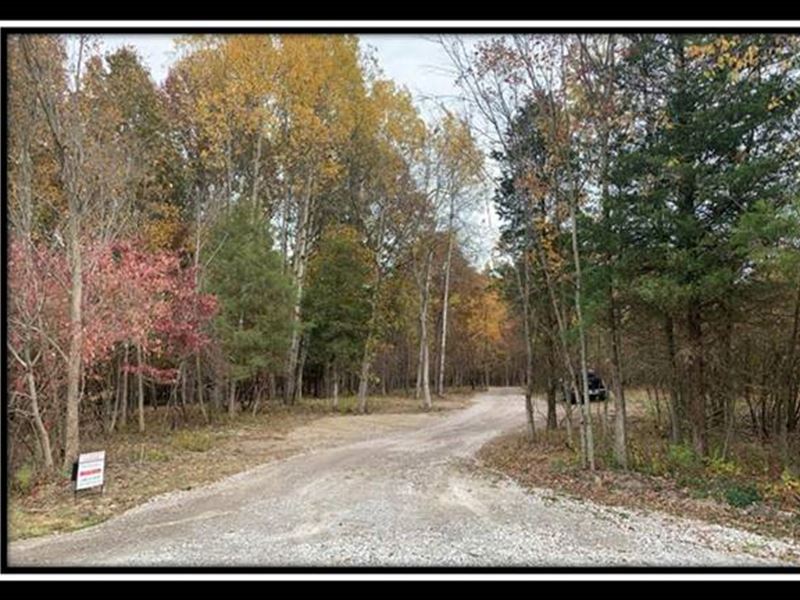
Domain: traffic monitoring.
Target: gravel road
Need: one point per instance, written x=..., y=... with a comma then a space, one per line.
x=408, y=496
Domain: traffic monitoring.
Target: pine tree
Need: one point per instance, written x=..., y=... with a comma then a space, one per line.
x=245, y=273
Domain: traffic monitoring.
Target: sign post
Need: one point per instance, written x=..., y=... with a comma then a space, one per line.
x=90, y=471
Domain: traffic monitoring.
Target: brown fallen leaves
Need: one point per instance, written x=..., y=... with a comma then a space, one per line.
x=549, y=463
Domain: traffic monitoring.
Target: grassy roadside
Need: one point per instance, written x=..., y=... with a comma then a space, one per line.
x=141, y=466
x=745, y=490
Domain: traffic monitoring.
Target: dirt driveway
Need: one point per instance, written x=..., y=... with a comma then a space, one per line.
x=395, y=491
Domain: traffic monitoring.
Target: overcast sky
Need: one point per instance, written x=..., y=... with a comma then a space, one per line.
x=414, y=61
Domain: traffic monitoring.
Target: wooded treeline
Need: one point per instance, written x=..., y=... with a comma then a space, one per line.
x=275, y=220
x=651, y=221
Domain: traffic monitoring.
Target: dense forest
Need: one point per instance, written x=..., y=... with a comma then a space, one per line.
x=277, y=220
x=649, y=197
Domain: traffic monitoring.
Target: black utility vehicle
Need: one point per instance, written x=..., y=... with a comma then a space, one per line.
x=597, y=389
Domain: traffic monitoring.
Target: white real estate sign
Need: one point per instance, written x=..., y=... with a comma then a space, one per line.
x=91, y=468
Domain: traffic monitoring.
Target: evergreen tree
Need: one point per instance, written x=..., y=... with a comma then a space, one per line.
x=337, y=302
x=245, y=273
x=716, y=138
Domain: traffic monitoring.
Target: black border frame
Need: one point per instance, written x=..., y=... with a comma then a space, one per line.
x=342, y=23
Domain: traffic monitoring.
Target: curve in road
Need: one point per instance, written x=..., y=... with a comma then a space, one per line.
x=408, y=497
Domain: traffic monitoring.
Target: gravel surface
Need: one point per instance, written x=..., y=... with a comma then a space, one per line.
x=409, y=496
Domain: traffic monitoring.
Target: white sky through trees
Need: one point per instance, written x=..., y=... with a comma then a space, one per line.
x=414, y=61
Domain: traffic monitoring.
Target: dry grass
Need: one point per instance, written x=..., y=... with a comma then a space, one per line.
x=141, y=466
x=745, y=489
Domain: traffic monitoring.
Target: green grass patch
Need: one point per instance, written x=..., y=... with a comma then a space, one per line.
x=27, y=524
x=24, y=479
x=194, y=441
x=156, y=455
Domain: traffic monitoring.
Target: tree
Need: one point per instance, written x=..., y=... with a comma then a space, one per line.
x=458, y=165
x=245, y=274
x=336, y=304
x=92, y=178
x=385, y=195
x=539, y=65
x=486, y=317
x=719, y=143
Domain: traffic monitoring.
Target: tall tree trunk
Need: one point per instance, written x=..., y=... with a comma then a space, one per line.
x=697, y=399
x=121, y=410
x=565, y=390
x=675, y=402
x=197, y=362
x=426, y=385
x=366, y=359
x=182, y=375
x=587, y=413
x=200, y=387
x=229, y=174
x=256, y=166
x=287, y=202
x=363, y=381
x=123, y=416
x=424, y=370
x=552, y=369
x=620, y=425
x=257, y=396
x=44, y=436
x=140, y=383
x=335, y=402
x=418, y=386
x=72, y=439
x=68, y=135
x=524, y=288
x=791, y=367
x=232, y=399
x=300, y=259
x=686, y=187
x=445, y=301
x=298, y=387
x=552, y=419
x=117, y=393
